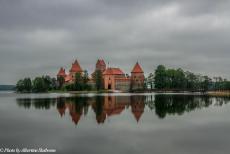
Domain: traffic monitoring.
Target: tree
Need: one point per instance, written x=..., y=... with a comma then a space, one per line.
x=27, y=85
x=60, y=81
x=160, y=77
x=180, y=79
x=78, y=84
x=98, y=79
x=20, y=86
x=206, y=82
x=85, y=80
x=177, y=79
x=53, y=83
x=227, y=85
x=191, y=81
x=24, y=85
x=48, y=81
x=39, y=85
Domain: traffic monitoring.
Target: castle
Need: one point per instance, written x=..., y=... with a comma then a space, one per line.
x=113, y=78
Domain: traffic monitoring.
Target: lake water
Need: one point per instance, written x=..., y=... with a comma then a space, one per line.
x=116, y=123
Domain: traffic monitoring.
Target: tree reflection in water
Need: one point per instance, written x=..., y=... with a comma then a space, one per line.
x=106, y=106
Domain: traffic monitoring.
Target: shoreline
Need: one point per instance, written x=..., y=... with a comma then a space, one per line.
x=219, y=93
x=208, y=93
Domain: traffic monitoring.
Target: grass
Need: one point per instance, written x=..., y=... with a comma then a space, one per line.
x=219, y=93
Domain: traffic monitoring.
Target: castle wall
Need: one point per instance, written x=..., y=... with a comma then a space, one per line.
x=123, y=85
x=109, y=82
x=137, y=81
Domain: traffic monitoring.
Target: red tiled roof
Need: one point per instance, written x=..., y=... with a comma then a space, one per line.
x=137, y=69
x=100, y=62
x=113, y=71
x=76, y=67
x=68, y=78
x=61, y=72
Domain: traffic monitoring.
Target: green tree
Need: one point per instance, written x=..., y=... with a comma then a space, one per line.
x=206, y=83
x=191, y=79
x=39, y=85
x=85, y=81
x=227, y=85
x=180, y=79
x=177, y=79
x=98, y=80
x=24, y=85
x=60, y=81
x=160, y=78
x=27, y=85
x=53, y=83
x=48, y=82
x=78, y=84
x=20, y=86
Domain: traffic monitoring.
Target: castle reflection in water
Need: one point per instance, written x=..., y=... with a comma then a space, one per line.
x=107, y=106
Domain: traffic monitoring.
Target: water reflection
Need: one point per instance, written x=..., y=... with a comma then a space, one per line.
x=106, y=106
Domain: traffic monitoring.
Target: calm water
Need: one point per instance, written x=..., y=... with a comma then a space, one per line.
x=116, y=123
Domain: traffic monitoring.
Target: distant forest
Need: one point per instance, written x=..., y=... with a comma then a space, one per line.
x=7, y=87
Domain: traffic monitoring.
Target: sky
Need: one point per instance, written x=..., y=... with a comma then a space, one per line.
x=39, y=37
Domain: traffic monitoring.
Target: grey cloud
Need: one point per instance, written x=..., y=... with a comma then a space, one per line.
x=39, y=37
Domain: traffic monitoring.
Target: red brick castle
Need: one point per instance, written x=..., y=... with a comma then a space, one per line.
x=113, y=78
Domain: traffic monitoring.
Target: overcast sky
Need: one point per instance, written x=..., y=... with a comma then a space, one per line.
x=38, y=37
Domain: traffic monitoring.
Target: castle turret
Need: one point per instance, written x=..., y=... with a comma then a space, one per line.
x=61, y=73
x=76, y=68
x=137, y=77
x=100, y=65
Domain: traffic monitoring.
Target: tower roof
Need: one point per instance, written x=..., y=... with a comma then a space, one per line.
x=137, y=69
x=61, y=72
x=113, y=71
x=76, y=67
x=68, y=78
x=100, y=62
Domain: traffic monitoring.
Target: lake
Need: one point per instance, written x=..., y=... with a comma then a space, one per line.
x=116, y=123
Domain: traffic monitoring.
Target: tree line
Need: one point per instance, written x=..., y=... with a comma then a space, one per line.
x=38, y=84
x=179, y=80
x=46, y=83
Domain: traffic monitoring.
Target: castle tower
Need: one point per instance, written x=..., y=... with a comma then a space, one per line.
x=61, y=73
x=76, y=68
x=137, y=77
x=100, y=65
